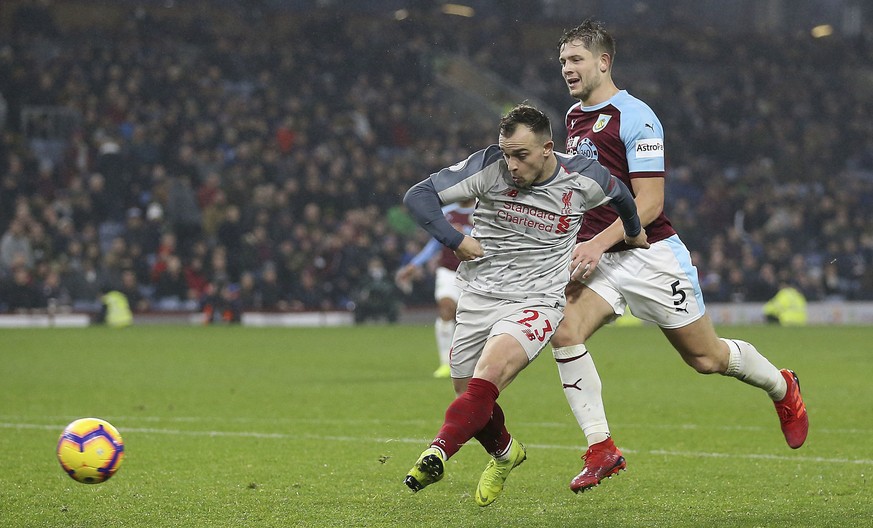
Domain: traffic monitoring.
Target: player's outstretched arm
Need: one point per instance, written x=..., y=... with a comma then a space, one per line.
x=407, y=273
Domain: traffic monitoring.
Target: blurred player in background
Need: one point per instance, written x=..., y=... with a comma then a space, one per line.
x=660, y=285
x=446, y=291
x=514, y=269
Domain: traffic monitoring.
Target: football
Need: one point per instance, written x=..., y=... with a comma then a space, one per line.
x=90, y=450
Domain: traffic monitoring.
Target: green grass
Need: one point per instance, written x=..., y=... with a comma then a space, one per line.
x=317, y=427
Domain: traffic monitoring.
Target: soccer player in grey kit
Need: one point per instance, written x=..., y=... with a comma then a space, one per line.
x=514, y=269
x=660, y=285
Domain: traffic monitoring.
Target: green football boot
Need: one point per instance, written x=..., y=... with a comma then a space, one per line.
x=427, y=469
x=491, y=482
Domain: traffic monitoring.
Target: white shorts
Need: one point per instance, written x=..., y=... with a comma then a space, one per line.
x=659, y=284
x=446, y=285
x=532, y=323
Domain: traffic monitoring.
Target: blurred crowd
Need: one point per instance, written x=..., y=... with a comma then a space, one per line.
x=272, y=165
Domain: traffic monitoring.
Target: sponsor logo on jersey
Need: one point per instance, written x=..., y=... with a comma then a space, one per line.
x=458, y=166
x=578, y=146
x=531, y=217
x=601, y=122
x=649, y=148
x=571, y=145
x=512, y=193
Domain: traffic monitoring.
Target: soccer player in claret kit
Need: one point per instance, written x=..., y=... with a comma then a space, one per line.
x=660, y=285
x=514, y=269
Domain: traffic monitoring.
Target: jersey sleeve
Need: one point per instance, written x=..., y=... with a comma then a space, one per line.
x=423, y=203
x=643, y=137
x=461, y=181
x=619, y=197
x=464, y=179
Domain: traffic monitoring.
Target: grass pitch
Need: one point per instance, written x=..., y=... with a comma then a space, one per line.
x=317, y=427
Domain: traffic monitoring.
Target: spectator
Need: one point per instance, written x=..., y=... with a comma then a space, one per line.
x=171, y=288
x=20, y=293
x=270, y=291
x=137, y=301
x=83, y=279
x=139, y=233
x=249, y=298
x=223, y=305
x=55, y=292
x=15, y=247
x=307, y=295
x=182, y=211
x=195, y=278
x=378, y=298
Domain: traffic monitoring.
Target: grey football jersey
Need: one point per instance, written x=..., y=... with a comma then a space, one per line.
x=527, y=234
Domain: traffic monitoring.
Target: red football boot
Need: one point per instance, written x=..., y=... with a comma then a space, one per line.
x=602, y=460
x=792, y=411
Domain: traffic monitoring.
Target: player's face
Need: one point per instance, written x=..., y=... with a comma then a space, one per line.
x=581, y=69
x=526, y=156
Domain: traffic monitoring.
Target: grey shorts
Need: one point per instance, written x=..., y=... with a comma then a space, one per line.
x=531, y=322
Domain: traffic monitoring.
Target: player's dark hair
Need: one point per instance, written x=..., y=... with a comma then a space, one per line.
x=593, y=36
x=525, y=114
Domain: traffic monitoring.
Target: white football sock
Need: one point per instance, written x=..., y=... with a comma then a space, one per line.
x=445, y=331
x=440, y=450
x=749, y=366
x=503, y=456
x=582, y=388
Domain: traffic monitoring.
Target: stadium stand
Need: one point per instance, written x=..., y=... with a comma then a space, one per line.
x=172, y=156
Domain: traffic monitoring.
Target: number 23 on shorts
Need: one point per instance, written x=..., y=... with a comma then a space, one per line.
x=538, y=328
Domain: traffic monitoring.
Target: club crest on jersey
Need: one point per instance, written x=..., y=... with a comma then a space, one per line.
x=601, y=122
x=567, y=199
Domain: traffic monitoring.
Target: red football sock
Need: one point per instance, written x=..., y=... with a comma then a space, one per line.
x=466, y=416
x=494, y=437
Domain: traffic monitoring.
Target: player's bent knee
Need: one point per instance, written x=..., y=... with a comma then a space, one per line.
x=704, y=364
x=571, y=333
x=565, y=337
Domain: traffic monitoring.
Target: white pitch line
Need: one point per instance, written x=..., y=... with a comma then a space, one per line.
x=332, y=438
x=344, y=421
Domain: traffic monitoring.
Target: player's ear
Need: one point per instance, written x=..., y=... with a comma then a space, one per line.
x=605, y=62
x=548, y=147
